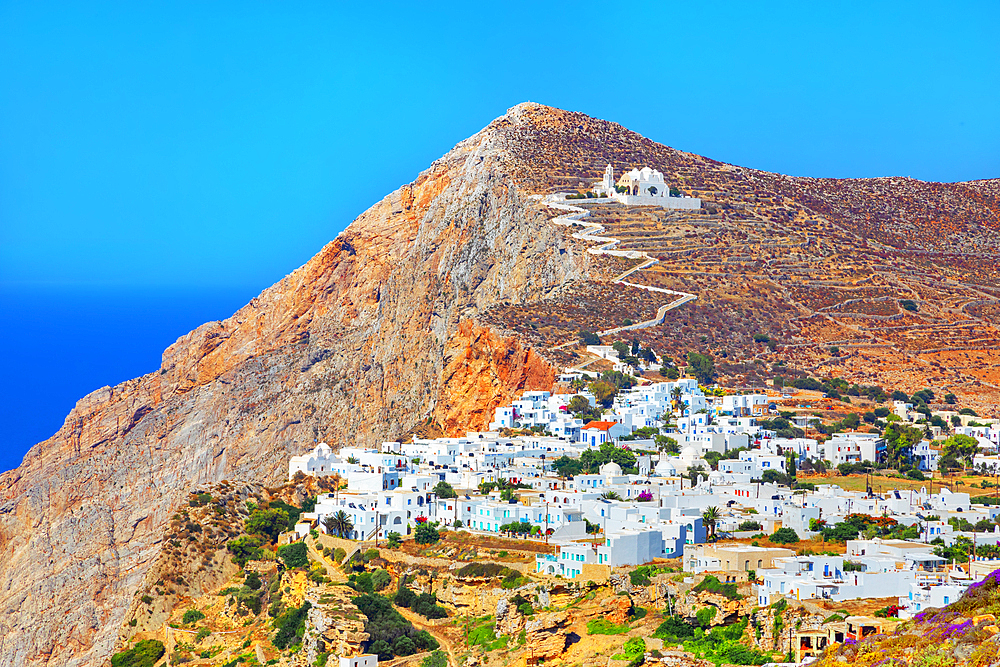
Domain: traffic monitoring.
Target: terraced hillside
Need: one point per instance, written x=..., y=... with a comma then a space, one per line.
x=899, y=275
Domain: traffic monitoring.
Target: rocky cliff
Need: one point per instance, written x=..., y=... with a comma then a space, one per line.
x=372, y=335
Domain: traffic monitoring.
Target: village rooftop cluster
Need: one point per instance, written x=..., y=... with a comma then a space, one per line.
x=638, y=484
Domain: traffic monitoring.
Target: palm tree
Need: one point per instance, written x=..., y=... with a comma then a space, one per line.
x=352, y=460
x=710, y=517
x=338, y=524
x=611, y=495
x=675, y=397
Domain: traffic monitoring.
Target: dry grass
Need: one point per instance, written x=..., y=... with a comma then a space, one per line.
x=956, y=483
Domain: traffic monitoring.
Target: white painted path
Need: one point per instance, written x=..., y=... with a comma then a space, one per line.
x=605, y=245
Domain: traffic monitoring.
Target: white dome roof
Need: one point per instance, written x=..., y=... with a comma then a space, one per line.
x=611, y=468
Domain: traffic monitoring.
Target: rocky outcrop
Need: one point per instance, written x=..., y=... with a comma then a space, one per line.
x=509, y=621
x=339, y=627
x=351, y=347
x=482, y=369
x=688, y=606
x=619, y=609
x=547, y=635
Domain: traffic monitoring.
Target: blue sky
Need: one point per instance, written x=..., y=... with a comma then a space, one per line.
x=210, y=148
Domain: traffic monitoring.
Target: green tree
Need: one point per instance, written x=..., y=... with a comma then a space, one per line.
x=268, y=523
x=611, y=495
x=604, y=392
x=693, y=473
x=675, y=399
x=588, y=338
x=444, y=490
x=621, y=348
x=962, y=447
x=567, y=467
x=381, y=579
x=665, y=443
x=426, y=533
x=294, y=555
x=392, y=540
x=244, y=548
x=899, y=441
x=592, y=459
x=192, y=616
x=702, y=366
x=790, y=465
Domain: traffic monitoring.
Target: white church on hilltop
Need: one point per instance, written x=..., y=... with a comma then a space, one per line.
x=642, y=187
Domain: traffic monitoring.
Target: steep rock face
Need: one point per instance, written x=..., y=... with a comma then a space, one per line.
x=483, y=369
x=348, y=348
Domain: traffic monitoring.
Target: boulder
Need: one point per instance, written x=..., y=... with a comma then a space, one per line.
x=546, y=635
x=619, y=609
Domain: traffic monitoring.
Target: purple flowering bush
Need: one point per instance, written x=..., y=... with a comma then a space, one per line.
x=963, y=633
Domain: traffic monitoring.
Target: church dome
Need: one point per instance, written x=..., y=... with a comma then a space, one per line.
x=611, y=468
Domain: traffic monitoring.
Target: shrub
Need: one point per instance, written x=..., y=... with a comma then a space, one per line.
x=192, y=616
x=294, y=555
x=362, y=583
x=711, y=584
x=485, y=571
x=426, y=533
x=381, y=579
x=514, y=579
x=338, y=555
x=144, y=654
x=639, y=577
x=201, y=499
x=673, y=627
x=244, y=548
x=750, y=525
x=390, y=627
x=632, y=649
x=784, y=536
x=252, y=581
x=602, y=626
x=435, y=659
x=269, y=523
x=404, y=596
x=288, y=625
x=705, y=615
x=204, y=632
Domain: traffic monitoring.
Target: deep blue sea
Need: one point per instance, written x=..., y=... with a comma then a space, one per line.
x=58, y=344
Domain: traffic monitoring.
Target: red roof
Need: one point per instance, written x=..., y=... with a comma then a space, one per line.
x=601, y=426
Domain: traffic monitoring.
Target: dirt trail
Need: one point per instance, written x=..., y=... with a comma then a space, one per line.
x=420, y=623
x=332, y=571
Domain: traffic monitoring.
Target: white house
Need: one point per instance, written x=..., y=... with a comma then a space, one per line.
x=596, y=433
x=367, y=660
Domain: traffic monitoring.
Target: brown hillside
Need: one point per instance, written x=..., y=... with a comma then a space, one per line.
x=811, y=263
